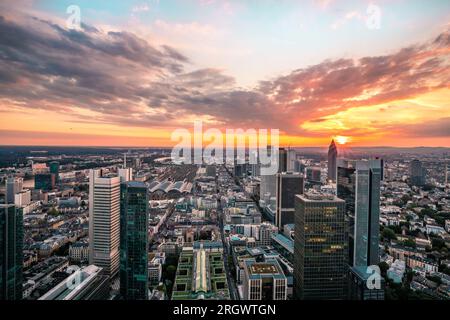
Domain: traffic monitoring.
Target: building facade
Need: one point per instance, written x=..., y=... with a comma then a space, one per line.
x=264, y=280
x=358, y=183
x=288, y=184
x=320, y=247
x=134, y=202
x=332, y=157
x=11, y=252
x=104, y=222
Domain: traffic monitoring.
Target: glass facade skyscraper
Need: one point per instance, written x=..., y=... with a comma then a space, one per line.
x=11, y=252
x=288, y=185
x=332, y=157
x=320, y=247
x=417, y=173
x=134, y=240
x=358, y=183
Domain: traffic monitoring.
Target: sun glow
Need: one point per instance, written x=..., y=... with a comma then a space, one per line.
x=342, y=139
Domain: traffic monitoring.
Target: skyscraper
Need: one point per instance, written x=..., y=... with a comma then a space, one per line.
x=11, y=252
x=447, y=173
x=320, y=247
x=291, y=159
x=104, y=221
x=13, y=186
x=134, y=240
x=54, y=169
x=332, y=156
x=288, y=184
x=44, y=181
x=417, y=173
x=282, y=160
x=358, y=183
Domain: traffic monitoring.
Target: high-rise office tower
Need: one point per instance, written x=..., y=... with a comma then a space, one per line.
x=104, y=221
x=332, y=157
x=134, y=240
x=320, y=247
x=417, y=173
x=44, y=181
x=282, y=160
x=447, y=173
x=288, y=184
x=291, y=159
x=125, y=174
x=358, y=183
x=11, y=252
x=54, y=169
x=13, y=186
x=313, y=174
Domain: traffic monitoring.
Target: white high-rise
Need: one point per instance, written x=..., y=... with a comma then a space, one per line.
x=104, y=221
x=13, y=186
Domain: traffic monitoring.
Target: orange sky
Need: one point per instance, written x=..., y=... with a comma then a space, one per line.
x=101, y=86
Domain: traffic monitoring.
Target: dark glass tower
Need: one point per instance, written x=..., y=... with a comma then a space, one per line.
x=320, y=247
x=358, y=183
x=288, y=185
x=44, y=181
x=134, y=241
x=11, y=252
x=54, y=169
x=417, y=173
x=332, y=156
x=282, y=160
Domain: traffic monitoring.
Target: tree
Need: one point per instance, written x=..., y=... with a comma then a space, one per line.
x=409, y=243
x=388, y=234
x=53, y=212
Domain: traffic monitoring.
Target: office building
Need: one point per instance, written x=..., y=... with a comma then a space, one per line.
x=104, y=221
x=88, y=283
x=11, y=252
x=282, y=160
x=447, y=173
x=54, y=169
x=125, y=174
x=12, y=186
x=320, y=247
x=22, y=198
x=363, y=287
x=134, y=202
x=313, y=174
x=358, y=183
x=201, y=273
x=264, y=280
x=417, y=173
x=332, y=157
x=291, y=160
x=288, y=184
x=44, y=181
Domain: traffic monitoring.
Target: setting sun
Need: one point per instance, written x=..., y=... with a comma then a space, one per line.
x=342, y=139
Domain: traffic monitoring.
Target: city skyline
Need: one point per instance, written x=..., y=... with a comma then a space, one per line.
x=134, y=72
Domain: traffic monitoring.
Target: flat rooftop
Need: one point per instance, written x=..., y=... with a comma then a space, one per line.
x=263, y=268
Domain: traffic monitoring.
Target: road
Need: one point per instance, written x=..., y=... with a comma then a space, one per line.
x=234, y=294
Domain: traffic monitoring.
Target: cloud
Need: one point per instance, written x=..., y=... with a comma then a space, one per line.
x=120, y=78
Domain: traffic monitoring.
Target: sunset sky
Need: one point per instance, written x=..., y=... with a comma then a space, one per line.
x=137, y=70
